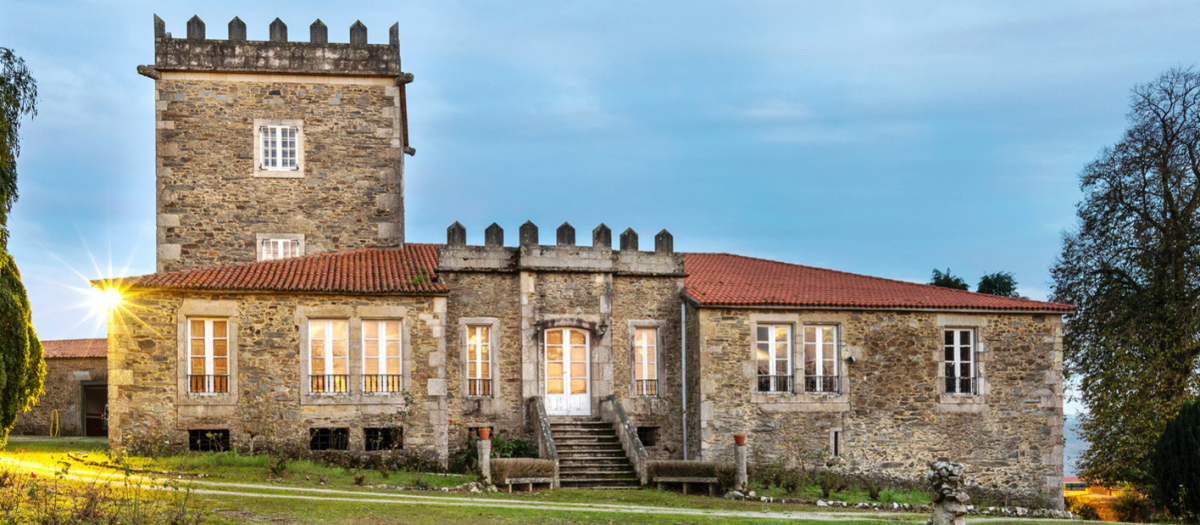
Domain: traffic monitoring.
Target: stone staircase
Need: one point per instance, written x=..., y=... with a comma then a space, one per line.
x=590, y=456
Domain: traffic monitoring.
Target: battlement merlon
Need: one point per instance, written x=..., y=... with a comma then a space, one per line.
x=196, y=53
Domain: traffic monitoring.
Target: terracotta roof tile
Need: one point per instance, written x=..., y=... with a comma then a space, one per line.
x=714, y=279
x=411, y=269
x=75, y=348
x=721, y=279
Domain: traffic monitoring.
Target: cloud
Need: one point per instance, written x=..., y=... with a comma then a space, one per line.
x=775, y=110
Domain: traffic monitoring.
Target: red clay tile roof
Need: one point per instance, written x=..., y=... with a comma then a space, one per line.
x=411, y=269
x=75, y=348
x=721, y=279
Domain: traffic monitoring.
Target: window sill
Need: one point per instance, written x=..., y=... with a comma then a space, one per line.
x=961, y=403
x=271, y=174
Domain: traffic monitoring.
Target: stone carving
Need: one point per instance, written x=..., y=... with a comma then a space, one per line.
x=949, y=499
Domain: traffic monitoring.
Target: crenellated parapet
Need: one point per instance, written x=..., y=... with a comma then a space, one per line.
x=235, y=54
x=563, y=256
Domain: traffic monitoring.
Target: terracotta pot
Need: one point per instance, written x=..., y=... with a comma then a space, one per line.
x=485, y=433
x=739, y=440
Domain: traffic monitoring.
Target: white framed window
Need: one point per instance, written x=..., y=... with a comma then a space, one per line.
x=272, y=249
x=821, y=359
x=329, y=357
x=208, y=356
x=960, y=361
x=645, y=362
x=479, y=361
x=278, y=148
x=382, y=357
x=773, y=349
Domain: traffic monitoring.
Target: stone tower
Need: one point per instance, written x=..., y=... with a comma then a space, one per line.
x=270, y=149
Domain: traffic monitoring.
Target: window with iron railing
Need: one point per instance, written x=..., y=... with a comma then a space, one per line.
x=382, y=357
x=773, y=351
x=479, y=361
x=821, y=359
x=960, y=369
x=329, y=358
x=208, y=384
x=645, y=362
x=208, y=356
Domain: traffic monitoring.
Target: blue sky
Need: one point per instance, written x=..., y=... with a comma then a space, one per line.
x=885, y=138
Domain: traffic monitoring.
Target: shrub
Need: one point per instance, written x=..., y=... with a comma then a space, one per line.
x=682, y=469
x=510, y=468
x=1076, y=505
x=512, y=448
x=830, y=481
x=726, y=477
x=1175, y=465
x=1131, y=507
x=982, y=496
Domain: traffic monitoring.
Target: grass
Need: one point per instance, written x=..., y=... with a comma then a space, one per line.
x=239, y=468
x=305, y=512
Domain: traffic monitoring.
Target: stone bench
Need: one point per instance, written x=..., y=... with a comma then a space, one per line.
x=711, y=482
x=529, y=482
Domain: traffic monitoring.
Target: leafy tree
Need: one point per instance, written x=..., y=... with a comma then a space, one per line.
x=1133, y=270
x=999, y=283
x=18, y=96
x=946, y=280
x=1176, y=463
x=21, y=365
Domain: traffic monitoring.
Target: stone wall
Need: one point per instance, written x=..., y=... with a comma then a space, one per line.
x=491, y=300
x=893, y=414
x=212, y=202
x=62, y=394
x=149, y=404
x=644, y=302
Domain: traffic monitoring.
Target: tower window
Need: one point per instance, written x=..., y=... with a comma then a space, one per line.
x=278, y=147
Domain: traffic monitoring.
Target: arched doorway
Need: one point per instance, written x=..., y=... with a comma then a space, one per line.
x=568, y=372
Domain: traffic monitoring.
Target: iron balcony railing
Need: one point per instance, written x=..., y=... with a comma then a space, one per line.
x=822, y=384
x=962, y=385
x=479, y=387
x=645, y=387
x=382, y=383
x=330, y=384
x=208, y=384
x=774, y=383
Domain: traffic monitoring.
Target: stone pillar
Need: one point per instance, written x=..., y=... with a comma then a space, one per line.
x=484, y=446
x=739, y=460
x=949, y=499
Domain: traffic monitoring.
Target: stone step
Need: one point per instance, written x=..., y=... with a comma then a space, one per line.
x=605, y=437
x=569, y=463
x=621, y=476
x=583, y=447
x=585, y=444
x=592, y=472
x=590, y=453
x=595, y=483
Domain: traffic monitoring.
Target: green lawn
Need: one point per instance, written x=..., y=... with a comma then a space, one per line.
x=238, y=468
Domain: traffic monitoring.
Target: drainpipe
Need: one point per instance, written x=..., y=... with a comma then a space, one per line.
x=683, y=370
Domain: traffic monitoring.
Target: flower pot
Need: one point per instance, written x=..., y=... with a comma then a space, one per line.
x=739, y=440
x=485, y=433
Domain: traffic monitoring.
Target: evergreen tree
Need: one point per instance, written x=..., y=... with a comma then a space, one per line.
x=1176, y=466
x=21, y=365
x=947, y=280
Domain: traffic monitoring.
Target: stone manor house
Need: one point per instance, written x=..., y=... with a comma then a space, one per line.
x=288, y=305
